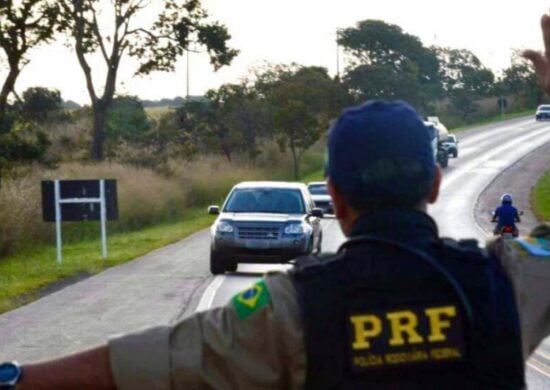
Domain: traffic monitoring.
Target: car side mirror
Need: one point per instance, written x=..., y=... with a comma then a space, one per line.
x=213, y=210
x=317, y=212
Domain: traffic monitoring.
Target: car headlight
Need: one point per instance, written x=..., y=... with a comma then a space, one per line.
x=224, y=227
x=294, y=228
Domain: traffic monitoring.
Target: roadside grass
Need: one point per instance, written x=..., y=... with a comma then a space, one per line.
x=495, y=119
x=24, y=275
x=540, y=198
x=314, y=176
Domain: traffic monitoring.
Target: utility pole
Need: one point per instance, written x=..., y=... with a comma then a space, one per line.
x=337, y=53
x=187, y=75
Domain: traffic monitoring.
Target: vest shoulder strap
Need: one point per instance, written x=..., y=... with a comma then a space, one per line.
x=310, y=264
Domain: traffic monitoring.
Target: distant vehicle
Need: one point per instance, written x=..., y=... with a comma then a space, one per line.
x=439, y=134
x=543, y=112
x=319, y=194
x=267, y=222
x=451, y=144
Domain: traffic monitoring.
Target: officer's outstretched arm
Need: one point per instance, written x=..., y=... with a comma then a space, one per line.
x=528, y=268
x=85, y=370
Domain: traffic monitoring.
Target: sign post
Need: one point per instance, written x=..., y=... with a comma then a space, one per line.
x=77, y=200
x=58, y=220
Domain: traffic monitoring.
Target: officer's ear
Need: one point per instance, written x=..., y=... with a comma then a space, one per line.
x=436, y=184
x=338, y=201
x=345, y=214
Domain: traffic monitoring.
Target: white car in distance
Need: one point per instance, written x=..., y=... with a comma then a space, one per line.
x=319, y=194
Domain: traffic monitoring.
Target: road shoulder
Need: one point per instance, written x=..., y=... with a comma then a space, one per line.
x=517, y=180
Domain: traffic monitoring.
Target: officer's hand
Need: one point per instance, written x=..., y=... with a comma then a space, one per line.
x=542, y=62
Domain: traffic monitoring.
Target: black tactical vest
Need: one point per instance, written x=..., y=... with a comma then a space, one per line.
x=382, y=314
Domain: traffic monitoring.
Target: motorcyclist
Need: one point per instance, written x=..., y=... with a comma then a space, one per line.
x=506, y=215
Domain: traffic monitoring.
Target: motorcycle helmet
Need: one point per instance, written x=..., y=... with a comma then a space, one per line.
x=506, y=199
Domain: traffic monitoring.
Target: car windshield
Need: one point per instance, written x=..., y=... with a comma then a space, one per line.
x=265, y=200
x=451, y=139
x=317, y=189
x=544, y=108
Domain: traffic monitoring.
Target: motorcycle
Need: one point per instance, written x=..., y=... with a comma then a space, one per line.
x=507, y=231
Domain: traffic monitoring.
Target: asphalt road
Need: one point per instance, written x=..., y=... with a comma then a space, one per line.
x=174, y=281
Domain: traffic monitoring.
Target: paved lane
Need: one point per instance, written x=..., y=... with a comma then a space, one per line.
x=154, y=289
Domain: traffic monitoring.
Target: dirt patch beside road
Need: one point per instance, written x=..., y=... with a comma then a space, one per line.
x=517, y=180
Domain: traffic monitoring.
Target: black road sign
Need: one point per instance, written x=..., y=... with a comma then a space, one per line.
x=79, y=211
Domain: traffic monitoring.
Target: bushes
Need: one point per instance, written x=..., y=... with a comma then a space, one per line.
x=145, y=198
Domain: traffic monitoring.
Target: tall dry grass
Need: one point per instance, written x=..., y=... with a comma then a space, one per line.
x=145, y=197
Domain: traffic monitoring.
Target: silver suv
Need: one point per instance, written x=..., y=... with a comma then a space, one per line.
x=264, y=222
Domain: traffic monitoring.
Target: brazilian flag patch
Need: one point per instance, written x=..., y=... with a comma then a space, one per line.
x=251, y=300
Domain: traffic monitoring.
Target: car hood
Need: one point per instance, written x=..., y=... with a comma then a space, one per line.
x=261, y=217
x=321, y=198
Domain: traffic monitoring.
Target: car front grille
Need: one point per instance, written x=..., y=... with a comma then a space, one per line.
x=321, y=203
x=258, y=232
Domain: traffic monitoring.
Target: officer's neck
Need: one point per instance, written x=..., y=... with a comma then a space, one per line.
x=350, y=217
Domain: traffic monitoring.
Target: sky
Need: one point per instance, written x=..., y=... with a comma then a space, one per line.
x=304, y=32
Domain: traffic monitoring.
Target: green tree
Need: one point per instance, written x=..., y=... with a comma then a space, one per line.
x=40, y=104
x=179, y=26
x=387, y=63
x=521, y=80
x=245, y=115
x=126, y=122
x=465, y=79
x=23, y=144
x=204, y=122
x=24, y=25
x=164, y=140
x=303, y=102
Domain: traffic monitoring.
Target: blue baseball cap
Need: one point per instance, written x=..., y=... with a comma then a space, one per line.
x=380, y=154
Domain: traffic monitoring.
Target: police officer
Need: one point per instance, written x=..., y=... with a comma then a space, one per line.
x=396, y=307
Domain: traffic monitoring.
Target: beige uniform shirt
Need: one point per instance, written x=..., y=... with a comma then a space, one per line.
x=256, y=341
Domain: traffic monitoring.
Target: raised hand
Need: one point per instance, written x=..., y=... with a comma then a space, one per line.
x=541, y=61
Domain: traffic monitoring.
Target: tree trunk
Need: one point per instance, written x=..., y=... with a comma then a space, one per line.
x=7, y=88
x=227, y=152
x=295, y=159
x=98, y=136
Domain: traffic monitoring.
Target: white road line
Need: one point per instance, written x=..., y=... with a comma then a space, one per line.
x=210, y=293
x=543, y=355
x=533, y=365
x=518, y=143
